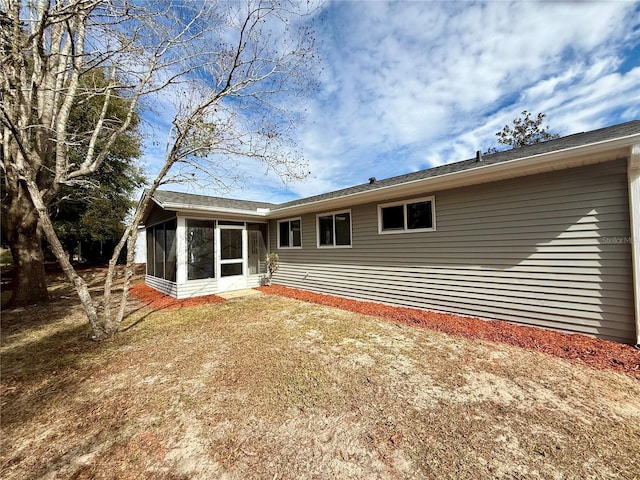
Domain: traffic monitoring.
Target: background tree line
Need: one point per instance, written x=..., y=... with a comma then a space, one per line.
x=74, y=74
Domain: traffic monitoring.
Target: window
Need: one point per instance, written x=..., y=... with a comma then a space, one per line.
x=161, y=250
x=200, y=249
x=231, y=254
x=416, y=215
x=290, y=233
x=334, y=229
x=230, y=269
x=170, y=259
x=158, y=233
x=150, y=242
x=231, y=244
x=393, y=218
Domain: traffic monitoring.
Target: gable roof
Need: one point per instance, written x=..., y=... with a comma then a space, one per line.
x=571, y=141
x=544, y=153
x=172, y=200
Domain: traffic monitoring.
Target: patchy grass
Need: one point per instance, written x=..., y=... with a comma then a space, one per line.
x=269, y=387
x=576, y=348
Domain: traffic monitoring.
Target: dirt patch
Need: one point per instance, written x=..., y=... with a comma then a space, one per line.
x=577, y=348
x=267, y=387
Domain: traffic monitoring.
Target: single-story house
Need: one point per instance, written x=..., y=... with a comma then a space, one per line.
x=543, y=235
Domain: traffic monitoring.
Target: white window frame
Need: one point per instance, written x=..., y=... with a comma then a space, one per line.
x=404, y=204
x=290, y=247
x=185, y=250
x=239, y=260
x=333, y=214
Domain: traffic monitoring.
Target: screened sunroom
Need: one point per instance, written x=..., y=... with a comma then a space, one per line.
x=202, y=245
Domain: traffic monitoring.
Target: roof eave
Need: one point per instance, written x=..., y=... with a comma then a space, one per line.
x=595, y=152
x=201, y=209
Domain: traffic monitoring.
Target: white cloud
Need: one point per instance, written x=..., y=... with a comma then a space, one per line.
x=435, y=81
x=408, y=85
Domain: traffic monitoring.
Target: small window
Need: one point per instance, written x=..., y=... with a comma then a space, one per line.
x=290, y=233
x=411, y=216
x=325, y=231
x=230, y=269
x=334, y=229
x=393, y=218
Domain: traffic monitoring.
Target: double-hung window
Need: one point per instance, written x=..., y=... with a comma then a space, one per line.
x=334, y=229
x=290, y=233
x=417, y=215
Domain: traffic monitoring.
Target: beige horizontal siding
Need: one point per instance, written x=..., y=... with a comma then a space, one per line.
x=158, y=215
x=209, y=286
x=254, y=281
x=197, y=288
x=536, y=250
x=164, y=286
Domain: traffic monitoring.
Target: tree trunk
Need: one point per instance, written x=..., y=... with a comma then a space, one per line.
x=63, y=260
x=20, y=227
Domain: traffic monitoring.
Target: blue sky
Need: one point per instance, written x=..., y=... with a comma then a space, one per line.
x=411, y=85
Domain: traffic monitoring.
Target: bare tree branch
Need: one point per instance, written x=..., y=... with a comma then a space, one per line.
x=232, y=81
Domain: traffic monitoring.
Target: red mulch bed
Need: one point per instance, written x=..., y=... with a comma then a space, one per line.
x=155, y=299
x=577, y=348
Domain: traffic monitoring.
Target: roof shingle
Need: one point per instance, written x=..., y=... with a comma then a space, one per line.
x=164, y=197
x=570, y=141
x=562, y=143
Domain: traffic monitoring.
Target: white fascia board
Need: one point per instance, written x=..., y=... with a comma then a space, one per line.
x=556, y=160
x=189, y=208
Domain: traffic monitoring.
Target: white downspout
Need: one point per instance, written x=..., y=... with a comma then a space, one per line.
x=633, y=176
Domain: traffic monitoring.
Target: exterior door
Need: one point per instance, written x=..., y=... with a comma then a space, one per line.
x=232, y=258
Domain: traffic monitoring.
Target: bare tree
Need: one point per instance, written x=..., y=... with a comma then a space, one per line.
x=230, y=67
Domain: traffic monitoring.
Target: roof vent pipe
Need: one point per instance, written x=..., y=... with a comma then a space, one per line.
x=478, y=156
x=372, y=180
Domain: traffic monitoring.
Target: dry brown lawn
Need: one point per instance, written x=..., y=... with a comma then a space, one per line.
x=271, y=388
